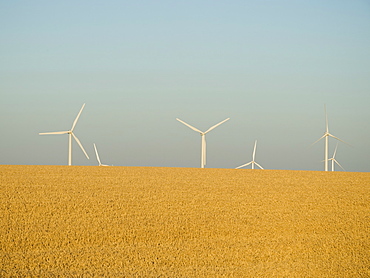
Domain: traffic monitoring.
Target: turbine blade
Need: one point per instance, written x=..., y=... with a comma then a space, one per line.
x=57, y=132
x=79, y=143
x=338, y=164
x=193, y=128
x=319, y=139
x=254, y=150
x=75, y=122
x=244, y=165
x=216, y=125
x=97, y=155
x=258, y=165
x=326, y=118
x=335, y=137
x=335, y=151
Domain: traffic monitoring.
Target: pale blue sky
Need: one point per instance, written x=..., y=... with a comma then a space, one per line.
x=138, y=65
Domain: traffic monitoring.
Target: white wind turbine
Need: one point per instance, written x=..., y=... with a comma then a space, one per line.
x=97, y=156
x=70, y=135
x=334, y=160
x=253, y=157
x=203, y=136
x=326, y=136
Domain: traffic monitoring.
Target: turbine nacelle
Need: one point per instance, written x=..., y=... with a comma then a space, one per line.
x=334, y=161
x=253, y=162
x=203, y=136
x=71, y=134
x=326, y=136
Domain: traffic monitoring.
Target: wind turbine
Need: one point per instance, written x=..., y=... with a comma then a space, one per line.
x=70, y=135
x=253, y=156
x=203, y=136
x=326, y=136
x=334, y=160
x=97, y=156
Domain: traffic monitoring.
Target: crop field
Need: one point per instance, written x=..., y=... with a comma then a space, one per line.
x=90, y=221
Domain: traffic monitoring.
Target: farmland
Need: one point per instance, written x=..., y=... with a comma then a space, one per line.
x=182, y=222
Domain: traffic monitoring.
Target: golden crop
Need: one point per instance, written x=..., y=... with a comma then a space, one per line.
x=60, y=221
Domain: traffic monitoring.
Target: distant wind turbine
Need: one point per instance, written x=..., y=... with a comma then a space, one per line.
x=97, y=156
x=203, y=136
x=253, y=157
x=334, y=160
x=326, y=136
x=70, y=135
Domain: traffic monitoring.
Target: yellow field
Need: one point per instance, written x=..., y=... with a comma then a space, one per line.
x=181, y=222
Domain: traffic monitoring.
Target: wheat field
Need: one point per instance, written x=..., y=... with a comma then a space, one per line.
x=87, y=221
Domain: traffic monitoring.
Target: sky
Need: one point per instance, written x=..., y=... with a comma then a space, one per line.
x=269, y=66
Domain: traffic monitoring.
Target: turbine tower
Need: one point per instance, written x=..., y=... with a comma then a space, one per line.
x=203, y=136
x=97, y=156
x=326, y=136
x=334, y=160
x=70, y=135
x=253, y=157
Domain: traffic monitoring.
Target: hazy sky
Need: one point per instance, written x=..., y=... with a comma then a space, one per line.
x=138, y=65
